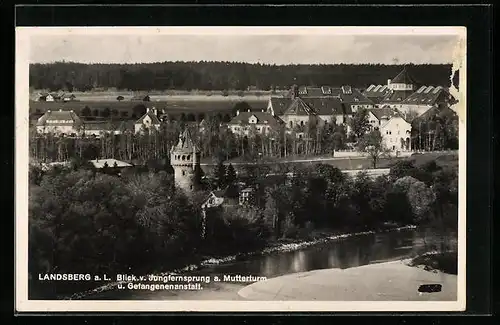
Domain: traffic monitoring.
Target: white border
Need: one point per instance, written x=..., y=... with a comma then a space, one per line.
x=23, y=35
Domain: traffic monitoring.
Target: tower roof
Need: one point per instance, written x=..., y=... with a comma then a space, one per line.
x=404, y=78
x=186, y=142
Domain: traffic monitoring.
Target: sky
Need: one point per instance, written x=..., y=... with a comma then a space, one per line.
x=266, y=49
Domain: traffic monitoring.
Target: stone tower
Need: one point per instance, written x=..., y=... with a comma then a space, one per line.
x=185, y=160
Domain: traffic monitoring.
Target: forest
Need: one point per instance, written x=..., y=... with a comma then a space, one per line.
x=86, y=221
x=70, y=76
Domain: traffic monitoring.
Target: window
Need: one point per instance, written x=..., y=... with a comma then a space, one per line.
x=301, y=123
x=183, y=173
x=190, y=187
x=188, y=157
x=291, y=124
x=183, y=157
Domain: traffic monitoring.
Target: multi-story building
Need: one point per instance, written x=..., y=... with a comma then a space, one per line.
x=408, y=96
x=246, y=123
x=59, y=122
x=400, y=88
x=313, y=105
x=376, y=93
x=379, y=116
x=396, y=133
x=425, y=98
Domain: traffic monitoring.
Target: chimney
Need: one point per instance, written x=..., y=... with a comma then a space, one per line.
x=154, y=111
x=147, y=110
x=237, y=112
x=388, y=82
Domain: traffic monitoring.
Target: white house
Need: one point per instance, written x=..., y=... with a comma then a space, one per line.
x=59, y=122
x=396, y=134
x=259, y=122
x=148, y=121
x=379, y=116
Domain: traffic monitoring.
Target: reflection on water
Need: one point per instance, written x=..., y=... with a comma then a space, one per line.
x=350, y=252
x=346, y=253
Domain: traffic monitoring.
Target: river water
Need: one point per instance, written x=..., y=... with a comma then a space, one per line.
x=344, y=253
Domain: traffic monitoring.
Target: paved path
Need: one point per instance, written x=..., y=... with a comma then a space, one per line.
x=394, y=281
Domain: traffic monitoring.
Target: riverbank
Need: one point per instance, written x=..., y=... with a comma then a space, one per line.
x=274, y=247
x=389, y=281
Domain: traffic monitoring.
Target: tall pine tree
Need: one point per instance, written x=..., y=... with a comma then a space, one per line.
x=230, y=175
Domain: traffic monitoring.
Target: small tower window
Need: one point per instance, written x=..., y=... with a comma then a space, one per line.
x=183, y=157
x=188, y=157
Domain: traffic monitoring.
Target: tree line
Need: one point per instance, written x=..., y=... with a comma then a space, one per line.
x=70, y=76
x=85, y=221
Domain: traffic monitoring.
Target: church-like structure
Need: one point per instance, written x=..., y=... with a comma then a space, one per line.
x=185, y=160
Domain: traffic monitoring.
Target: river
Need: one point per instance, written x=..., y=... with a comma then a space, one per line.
x=343, y=253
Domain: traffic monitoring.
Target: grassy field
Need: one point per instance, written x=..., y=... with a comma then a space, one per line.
x=173, y=105
x=442, y=158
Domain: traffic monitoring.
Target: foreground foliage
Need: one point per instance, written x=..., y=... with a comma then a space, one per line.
x=83, y=221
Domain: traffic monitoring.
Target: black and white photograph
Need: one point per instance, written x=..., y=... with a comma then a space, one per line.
x=240, y=168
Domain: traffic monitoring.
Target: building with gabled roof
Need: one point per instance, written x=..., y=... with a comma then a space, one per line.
x=426, y=97
x=350, y=97
x=378, y=116
x=148, y=121
x=59, y=122
x=185, y=160
x=400, y=88
x=260, y=122
x=376, y=93
x=299, y=115
x=396, y=133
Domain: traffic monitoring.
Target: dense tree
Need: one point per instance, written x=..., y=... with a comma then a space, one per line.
x=106, y=112
x=359, y=123
x=86, y=111
x=230, y=174
x=138, y=222
x=372, y=143
x=222, y=76
x=219, y=176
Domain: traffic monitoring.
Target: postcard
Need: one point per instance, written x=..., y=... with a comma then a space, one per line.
x=226, y=169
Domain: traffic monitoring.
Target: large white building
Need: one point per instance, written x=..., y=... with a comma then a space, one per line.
x=396, y=134
x=245, y=123
x=59, y=122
